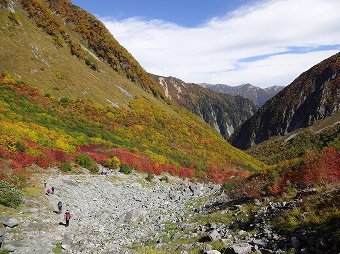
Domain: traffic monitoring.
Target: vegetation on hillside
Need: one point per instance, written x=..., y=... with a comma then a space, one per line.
x=80, y=25
x=296, y=145
x=37, y=128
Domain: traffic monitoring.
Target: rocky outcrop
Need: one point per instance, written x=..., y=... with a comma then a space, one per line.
x=314, y=95
x=222, y=111
x=257, y=95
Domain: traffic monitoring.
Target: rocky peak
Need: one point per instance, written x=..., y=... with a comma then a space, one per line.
x=314, y=95
x=256, y=94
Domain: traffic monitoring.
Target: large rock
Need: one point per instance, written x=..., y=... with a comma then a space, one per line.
x=2, y=236
x=9, y=248
x=10, y=222
x=132, y=216
x=214, y=236
x=240, y=248
x=212, y=252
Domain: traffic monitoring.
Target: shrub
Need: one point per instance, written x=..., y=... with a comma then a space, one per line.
x=126, y=169
x=65, y=166
x=164, y=179
x=10, y=196
x=86, y=161
x=113, y=163
x=150, y=177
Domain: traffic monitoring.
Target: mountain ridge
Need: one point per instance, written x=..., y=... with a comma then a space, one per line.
x=222, y=111
x=256, y=94
x=314, y=95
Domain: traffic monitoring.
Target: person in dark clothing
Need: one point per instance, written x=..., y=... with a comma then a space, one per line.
x=60, y=207
x=45, y=184
x=67, y=218
x=52, y=190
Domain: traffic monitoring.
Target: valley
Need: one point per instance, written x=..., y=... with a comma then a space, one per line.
x=150, y=164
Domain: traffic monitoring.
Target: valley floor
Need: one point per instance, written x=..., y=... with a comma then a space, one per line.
x=118, y=213
x=109, y=213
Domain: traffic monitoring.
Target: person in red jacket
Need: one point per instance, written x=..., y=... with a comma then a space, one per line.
x=67, y=218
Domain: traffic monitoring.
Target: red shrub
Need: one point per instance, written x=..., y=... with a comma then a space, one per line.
x=321, y=168
x=172, y=170
x=186, y=172
x=93, y=148
x=99, y=158
x=42, y=162
x=22, y=160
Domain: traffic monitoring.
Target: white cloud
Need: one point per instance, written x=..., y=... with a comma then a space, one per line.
x=211, y=53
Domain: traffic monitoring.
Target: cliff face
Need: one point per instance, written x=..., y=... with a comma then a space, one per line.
x=257, y=95
x=223, y=111
x=314, y=95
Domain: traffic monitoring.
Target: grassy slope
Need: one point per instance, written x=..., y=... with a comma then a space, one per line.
x=146, y=124
x=322, y=134
x=62, y=74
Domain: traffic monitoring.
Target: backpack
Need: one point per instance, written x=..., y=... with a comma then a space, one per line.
x=68, y=216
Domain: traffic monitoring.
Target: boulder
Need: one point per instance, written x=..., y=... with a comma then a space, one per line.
x=240, y=248
x=9, y=248
x=260, y=242
x=214, y=236
x=2, y=232
x=132, y=216
x=212, y=252
x=242, y=233
x=10, y=222
x=176, y=236
x=207, y=248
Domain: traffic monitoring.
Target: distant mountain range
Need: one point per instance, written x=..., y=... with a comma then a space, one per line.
x=314, y=95
x=222, y=111
x=256, y=94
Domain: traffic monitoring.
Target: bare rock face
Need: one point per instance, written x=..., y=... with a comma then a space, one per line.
x=257, y=95
x=314, y=95
x=222, y=111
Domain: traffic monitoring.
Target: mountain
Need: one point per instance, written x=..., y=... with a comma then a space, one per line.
x=224, y=112
x=314, y=95
x=256, y=94
x=68, y=52
x=69, y=90
x=322, y=134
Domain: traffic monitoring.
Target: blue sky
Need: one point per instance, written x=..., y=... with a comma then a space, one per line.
x=187, y=13
x=262, y=42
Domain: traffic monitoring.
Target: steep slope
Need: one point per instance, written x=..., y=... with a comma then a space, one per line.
x=67, y=84
x=34, y=127
x=314, y=95
x=68, y=52
x=222, y=111
x=256, y=94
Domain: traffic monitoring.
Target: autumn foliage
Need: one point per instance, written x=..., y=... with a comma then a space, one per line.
x=317, y=168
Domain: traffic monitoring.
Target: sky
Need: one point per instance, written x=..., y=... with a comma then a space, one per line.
x=262, y=42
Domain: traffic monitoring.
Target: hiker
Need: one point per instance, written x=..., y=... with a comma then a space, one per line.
x=48, y=192
x=52, y=190
x=67, y=218
x=45, y=184
x=60, y=207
